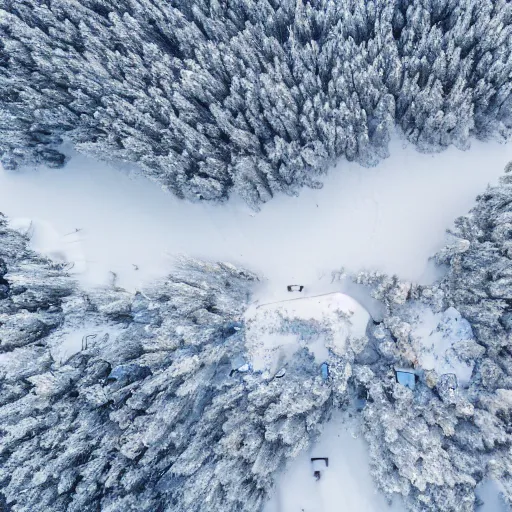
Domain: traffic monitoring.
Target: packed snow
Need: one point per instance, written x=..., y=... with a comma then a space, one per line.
x=276, y=330
x=390, y=218
x=489, y=493
x=345, y=485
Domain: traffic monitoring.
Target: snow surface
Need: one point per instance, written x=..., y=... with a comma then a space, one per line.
x=46, y=240
x=489, y=492
x=70, y=340
x=332, y=319
x=390, y=218
x=345, y=485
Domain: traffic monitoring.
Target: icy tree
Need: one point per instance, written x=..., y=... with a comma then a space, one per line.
x=155, y=417
x=479, y=285
x=256, y=96
x=32, y=289
x=159, y=415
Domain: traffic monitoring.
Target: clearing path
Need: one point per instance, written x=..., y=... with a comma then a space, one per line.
x=390, y=218
x=345, y=486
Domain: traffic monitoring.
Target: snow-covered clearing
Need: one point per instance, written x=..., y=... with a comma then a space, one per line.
x=438, y=336
x=345, y=486
x=274, y=331
x=390, y=218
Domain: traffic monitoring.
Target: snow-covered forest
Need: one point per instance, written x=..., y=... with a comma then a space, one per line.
x=256, y=96
x=163, y=404
x=243, y=331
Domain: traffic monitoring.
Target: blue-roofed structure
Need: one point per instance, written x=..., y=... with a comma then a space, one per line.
x=239, y=365
x=324, y=370
x=406, y=378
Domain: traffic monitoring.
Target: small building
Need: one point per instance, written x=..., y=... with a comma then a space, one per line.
x=232, y=328
x=319, y=465
x=125, y=374
x=239, y=365
x=406, y=377
x=324, y=370
x=280, y=373
x=361, y=397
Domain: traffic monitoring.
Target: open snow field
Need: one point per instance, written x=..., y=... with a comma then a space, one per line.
x=391, y=218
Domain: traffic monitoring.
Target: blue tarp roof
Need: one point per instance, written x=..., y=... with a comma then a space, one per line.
x=407, y=379
x=324, y=369
x=130, y=371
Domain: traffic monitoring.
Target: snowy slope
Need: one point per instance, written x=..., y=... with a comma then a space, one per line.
x=46, y=240
x=389, y=218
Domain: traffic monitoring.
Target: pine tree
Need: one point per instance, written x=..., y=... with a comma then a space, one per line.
x=433, y=445
x=256, y=97
x=150, y=417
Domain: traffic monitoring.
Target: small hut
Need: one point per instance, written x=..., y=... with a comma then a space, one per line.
x=406, y=377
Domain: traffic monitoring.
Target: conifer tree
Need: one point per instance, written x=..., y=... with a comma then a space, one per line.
x=252, y=96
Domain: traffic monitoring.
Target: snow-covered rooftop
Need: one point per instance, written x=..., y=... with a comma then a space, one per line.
x=276, y=330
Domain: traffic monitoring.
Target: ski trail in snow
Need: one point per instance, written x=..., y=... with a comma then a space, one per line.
x=295, y=298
